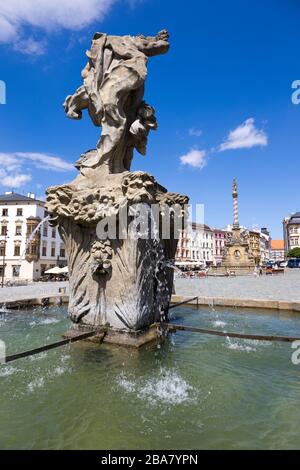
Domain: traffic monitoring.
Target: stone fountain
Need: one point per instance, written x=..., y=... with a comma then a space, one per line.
x=117, y=279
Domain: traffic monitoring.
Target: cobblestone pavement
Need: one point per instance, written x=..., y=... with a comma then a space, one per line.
x=34, y=290
x=276, y=287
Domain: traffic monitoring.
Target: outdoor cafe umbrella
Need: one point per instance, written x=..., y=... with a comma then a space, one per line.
x=55, y=270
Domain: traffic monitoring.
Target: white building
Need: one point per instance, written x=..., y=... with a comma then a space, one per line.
x=19, y=217
x=291, y=232
x=277, y=250
x=196, y=245
x=265, y=245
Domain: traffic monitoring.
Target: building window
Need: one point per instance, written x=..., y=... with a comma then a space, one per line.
x=2, y=250
x=16, y=270
x=45, y=230
x=18, y=230
x=53, y=251
x=54, y=233
x=19, y=212
x=34, y=249
x=4, y=212
x=294, y=241
x=17, y=251
x=62, y=253
x=4, y=230
x=31, y=228
x=43, y=269
x=44, y=250
x=2, y=271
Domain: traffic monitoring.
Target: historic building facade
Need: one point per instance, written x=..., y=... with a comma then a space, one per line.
x=24, y=253
x=255, y=244
x=291, y=232
x=265, y=245
x=277, y=250
x=219, y=238
x=196, y=245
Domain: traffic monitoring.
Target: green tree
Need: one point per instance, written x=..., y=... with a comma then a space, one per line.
x=293, y=253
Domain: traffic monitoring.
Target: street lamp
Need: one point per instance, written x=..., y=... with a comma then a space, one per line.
x=3, y=243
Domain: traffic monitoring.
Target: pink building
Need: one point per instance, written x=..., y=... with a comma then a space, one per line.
x=219, y=243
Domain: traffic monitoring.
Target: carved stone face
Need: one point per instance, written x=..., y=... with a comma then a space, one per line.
x=101, y=254
x=105, y=206
x=139, y=187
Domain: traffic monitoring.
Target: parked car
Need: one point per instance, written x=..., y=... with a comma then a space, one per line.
x=293, y=263
x=282, y=264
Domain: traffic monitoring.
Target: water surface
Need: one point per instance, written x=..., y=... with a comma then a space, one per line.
x=191, y=392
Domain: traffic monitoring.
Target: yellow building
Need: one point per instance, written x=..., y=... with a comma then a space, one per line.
x=254, y=240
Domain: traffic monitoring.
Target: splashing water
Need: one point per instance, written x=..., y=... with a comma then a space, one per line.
x=4, y=309
x=8, y=370
x=168, y=387
x=169, y=263
x=219, y=323
x=31, y=237
x=46, y=321
x=38, y=357
x=36, y=383
x=237, y=345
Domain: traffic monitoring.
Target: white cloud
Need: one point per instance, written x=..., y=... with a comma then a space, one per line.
x=47, y=15
x=9, y=162
x=194, y=158
x=11, y=165
x=42, y=160
x=195, y=132
x=7, y=30
x=245, y=136
x=30, y=46
x=15, y=181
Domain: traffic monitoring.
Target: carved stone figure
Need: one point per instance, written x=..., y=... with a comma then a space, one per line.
x=116, y=278
x=112, y=92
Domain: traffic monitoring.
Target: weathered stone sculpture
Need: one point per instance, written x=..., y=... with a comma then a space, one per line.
x=115, y=280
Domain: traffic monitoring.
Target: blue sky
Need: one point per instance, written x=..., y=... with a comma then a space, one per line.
x=222, y=96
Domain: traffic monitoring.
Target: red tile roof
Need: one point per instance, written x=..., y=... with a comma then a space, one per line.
x=277, y=245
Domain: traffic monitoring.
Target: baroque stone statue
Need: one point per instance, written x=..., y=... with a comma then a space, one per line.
x=123, y=282
x=112, y=91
